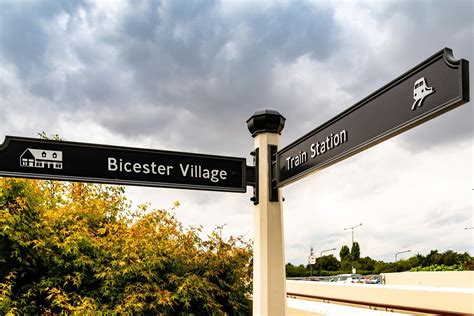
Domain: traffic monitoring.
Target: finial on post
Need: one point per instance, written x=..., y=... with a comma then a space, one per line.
x=266, y=121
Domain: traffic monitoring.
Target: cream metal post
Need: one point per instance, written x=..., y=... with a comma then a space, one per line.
x=269, y=282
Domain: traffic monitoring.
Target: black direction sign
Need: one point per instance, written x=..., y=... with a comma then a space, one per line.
x=435, y=86
x=70, y=161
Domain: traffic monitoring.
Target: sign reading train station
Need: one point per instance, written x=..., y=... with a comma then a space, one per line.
x=59, y=160
x=435, y=86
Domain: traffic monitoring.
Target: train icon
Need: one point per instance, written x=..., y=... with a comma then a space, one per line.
x=420, y=92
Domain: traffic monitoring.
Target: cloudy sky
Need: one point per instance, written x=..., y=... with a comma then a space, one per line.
x=186, y=75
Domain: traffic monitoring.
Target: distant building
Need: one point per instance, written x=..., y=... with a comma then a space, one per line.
x=39, y=158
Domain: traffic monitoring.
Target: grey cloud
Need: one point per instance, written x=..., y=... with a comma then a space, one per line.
x=142, y=24
x=319, y=241
x=173, y=54
x=28, y=42
x=413, y=31
x=442, y=219
x=448, y=216
x=290, y=31
x=23, y=38
x=456, y=126
x=443, y=24
x=143, y=119
x=191, y=70
x=416, y=30
x=177, y=55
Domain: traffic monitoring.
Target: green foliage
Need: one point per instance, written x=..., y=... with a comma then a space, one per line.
x=442, y=267
x=447, y=258
x=78, y=248
x=433, y=261
x=367, y=264
x=328, y=263
x=296, y=271
x=345, y=253
x=44, y=135
x=355, y=251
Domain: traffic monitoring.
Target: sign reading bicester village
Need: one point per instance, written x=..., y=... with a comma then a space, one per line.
x=435, y=86
x=59, y=160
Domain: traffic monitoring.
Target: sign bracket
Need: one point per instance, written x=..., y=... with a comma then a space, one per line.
x=272, y=163
x=252, y=176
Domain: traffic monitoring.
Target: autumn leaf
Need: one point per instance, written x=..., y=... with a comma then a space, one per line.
x=81, y=248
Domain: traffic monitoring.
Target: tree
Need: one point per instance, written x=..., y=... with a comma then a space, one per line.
x=328, y=263
x=79, y=248
x=344, y=253
x=296, y=271
x=450, y=258
x=366, y=264
x=432, y=258
x=355, y=251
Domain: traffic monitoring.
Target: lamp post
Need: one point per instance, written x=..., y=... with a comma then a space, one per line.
x=320, y=261
x=396, y=255
x=311, y=261
x=352, y=245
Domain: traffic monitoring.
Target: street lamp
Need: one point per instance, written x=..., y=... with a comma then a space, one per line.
x=311, y=261
x=469, y=228
x=352, y=245
x=321, y=262
x=396, y=255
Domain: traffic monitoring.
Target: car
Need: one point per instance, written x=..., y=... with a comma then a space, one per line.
x=348, y=278
x=372, y=279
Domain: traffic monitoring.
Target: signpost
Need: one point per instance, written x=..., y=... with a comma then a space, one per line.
x=437, y=85
x=70, y=161
x=312, y=262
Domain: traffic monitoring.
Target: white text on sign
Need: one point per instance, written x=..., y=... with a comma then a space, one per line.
x=186, y=170
x=317, y=148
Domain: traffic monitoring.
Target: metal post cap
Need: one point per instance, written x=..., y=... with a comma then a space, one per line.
x=266, y=121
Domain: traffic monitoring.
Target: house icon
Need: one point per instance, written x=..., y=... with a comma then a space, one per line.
x=39, y=158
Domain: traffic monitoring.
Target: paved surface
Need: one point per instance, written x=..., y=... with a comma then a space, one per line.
x=298, y=307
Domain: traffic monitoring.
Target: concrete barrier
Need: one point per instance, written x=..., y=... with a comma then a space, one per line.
x=423, y=299
x=455, y=279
